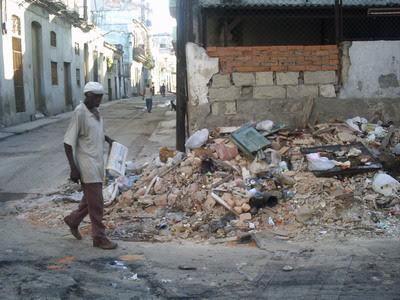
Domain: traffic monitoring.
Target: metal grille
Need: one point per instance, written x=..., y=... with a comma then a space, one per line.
x=298, y=22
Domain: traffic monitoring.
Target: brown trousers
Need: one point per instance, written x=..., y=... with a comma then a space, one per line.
x=92, y=203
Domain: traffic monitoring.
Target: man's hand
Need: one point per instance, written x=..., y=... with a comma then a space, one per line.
x=75, y=176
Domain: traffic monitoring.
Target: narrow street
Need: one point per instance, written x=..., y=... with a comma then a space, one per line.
x=34, y=162
x=37, y=262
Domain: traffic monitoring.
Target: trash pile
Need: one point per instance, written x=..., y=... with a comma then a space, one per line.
x=326, y=180
x=329, y=180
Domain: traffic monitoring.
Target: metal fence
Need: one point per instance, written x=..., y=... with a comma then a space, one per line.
x=283, y=22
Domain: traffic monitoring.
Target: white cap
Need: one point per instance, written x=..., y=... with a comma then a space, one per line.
x=94, y=87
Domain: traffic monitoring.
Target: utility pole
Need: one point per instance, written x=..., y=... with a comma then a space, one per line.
x=184, y=35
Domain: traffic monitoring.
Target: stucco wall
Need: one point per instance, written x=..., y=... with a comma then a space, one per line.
x=371, y=69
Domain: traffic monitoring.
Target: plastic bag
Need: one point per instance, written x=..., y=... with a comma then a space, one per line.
x=355, y=123
x=110, y=192
x=197, y=139
x=259, y=165
x=265, y=125
x=385, y=184
x=318, y=163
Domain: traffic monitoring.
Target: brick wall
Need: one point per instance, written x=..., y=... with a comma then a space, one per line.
x=276, y=58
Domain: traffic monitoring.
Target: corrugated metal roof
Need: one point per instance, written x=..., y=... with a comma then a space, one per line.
x=261, y=3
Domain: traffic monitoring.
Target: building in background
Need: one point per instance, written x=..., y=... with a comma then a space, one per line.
x=164, y=71
x=126, y=23
x=49, y=50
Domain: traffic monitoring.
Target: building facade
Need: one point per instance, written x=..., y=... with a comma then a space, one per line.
x=48, y=53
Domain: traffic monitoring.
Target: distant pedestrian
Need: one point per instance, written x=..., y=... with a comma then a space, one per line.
x=148, y=97
x=84, y=147
x=153, y=89
x=162, y=90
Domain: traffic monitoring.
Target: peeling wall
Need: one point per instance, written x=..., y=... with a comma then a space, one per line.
x=371, y=69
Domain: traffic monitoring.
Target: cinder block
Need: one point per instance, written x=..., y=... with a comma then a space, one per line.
x=224, y=94
x=264, y=78
x=243, y=79
x=287, y=78
x=327, y=91
x=320, y=77
x=216, y=108
x=221, y=81
x=230, y=108
x=269, y=92
x=302, y=91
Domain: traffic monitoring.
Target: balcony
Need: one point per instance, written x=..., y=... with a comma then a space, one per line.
x=139, y=54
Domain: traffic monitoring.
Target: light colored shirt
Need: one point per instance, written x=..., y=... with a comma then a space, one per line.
x=148, y=94
x=85, y=135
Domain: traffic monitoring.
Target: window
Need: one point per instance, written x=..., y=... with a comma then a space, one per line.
x=16, y=25
x=78, y=77
x=77, y=50
x=54, y=75
x=53, y=39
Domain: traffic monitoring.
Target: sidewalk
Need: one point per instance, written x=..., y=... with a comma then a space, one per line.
x=7, y=132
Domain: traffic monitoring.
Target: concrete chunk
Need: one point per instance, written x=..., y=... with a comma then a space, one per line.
x=224, y=94
x=230, y=108
x=327, y=91
x=221, y=81
x=269, y=92
x=243, y=79
x=287, y=78
x=302, y=91
x=264, y=78
x=320, y=77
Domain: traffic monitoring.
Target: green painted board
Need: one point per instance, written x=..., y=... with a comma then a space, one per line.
x=249, y=140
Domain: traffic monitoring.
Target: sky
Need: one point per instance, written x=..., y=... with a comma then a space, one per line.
x=161, y=19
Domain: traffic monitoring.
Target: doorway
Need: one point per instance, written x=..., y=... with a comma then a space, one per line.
x=18, y=75
x=67, y=85
x=109, y=90
x=37, y=67
x=115, y=88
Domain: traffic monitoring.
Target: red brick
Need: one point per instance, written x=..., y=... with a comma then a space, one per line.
x=321, y=53
x=312, y=47
x=295, y=47
x=296, y=68
x=333, y=61
x=328, y=47
x=212, y=49
x=328, y=68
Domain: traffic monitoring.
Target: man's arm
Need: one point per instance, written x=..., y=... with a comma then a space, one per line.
x=75, y=175
x=108, y=140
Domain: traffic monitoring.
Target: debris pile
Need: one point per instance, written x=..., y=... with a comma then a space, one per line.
x=333, y=179
x=236, y=180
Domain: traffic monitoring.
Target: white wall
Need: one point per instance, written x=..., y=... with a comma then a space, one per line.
x=374, y=70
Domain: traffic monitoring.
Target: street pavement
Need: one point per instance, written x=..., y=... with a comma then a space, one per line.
x=37, y=262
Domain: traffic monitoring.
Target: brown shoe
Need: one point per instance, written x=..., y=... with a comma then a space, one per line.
x=104, y=243
x=74, y=229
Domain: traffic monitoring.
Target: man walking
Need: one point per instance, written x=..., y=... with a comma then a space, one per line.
x=148, y=96
x=84, y=148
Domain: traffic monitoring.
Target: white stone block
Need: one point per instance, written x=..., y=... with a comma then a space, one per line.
x=287, y=78
x=243, y=79
x=221, y=81
x=269, y=92
x=264, y=78
x=224, y=94
x=302, y=91
x=320, y=77
x=327, y=91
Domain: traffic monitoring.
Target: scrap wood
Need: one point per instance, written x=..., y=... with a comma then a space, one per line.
x=226, y=130
x=153, y=181
x=223, y=203
x=226, y=179
x=225, y=165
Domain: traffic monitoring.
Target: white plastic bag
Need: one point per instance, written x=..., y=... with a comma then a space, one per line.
x=265, y=125
x=355, y=123
x=110, y=192
x=197, y=139
x=385, y=184
x=116, y=161
x=318, y=163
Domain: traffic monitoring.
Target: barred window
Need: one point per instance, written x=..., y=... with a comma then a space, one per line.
x=54, y=75
x=53, y=39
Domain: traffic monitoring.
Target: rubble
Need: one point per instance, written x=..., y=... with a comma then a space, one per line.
x=229, y=184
